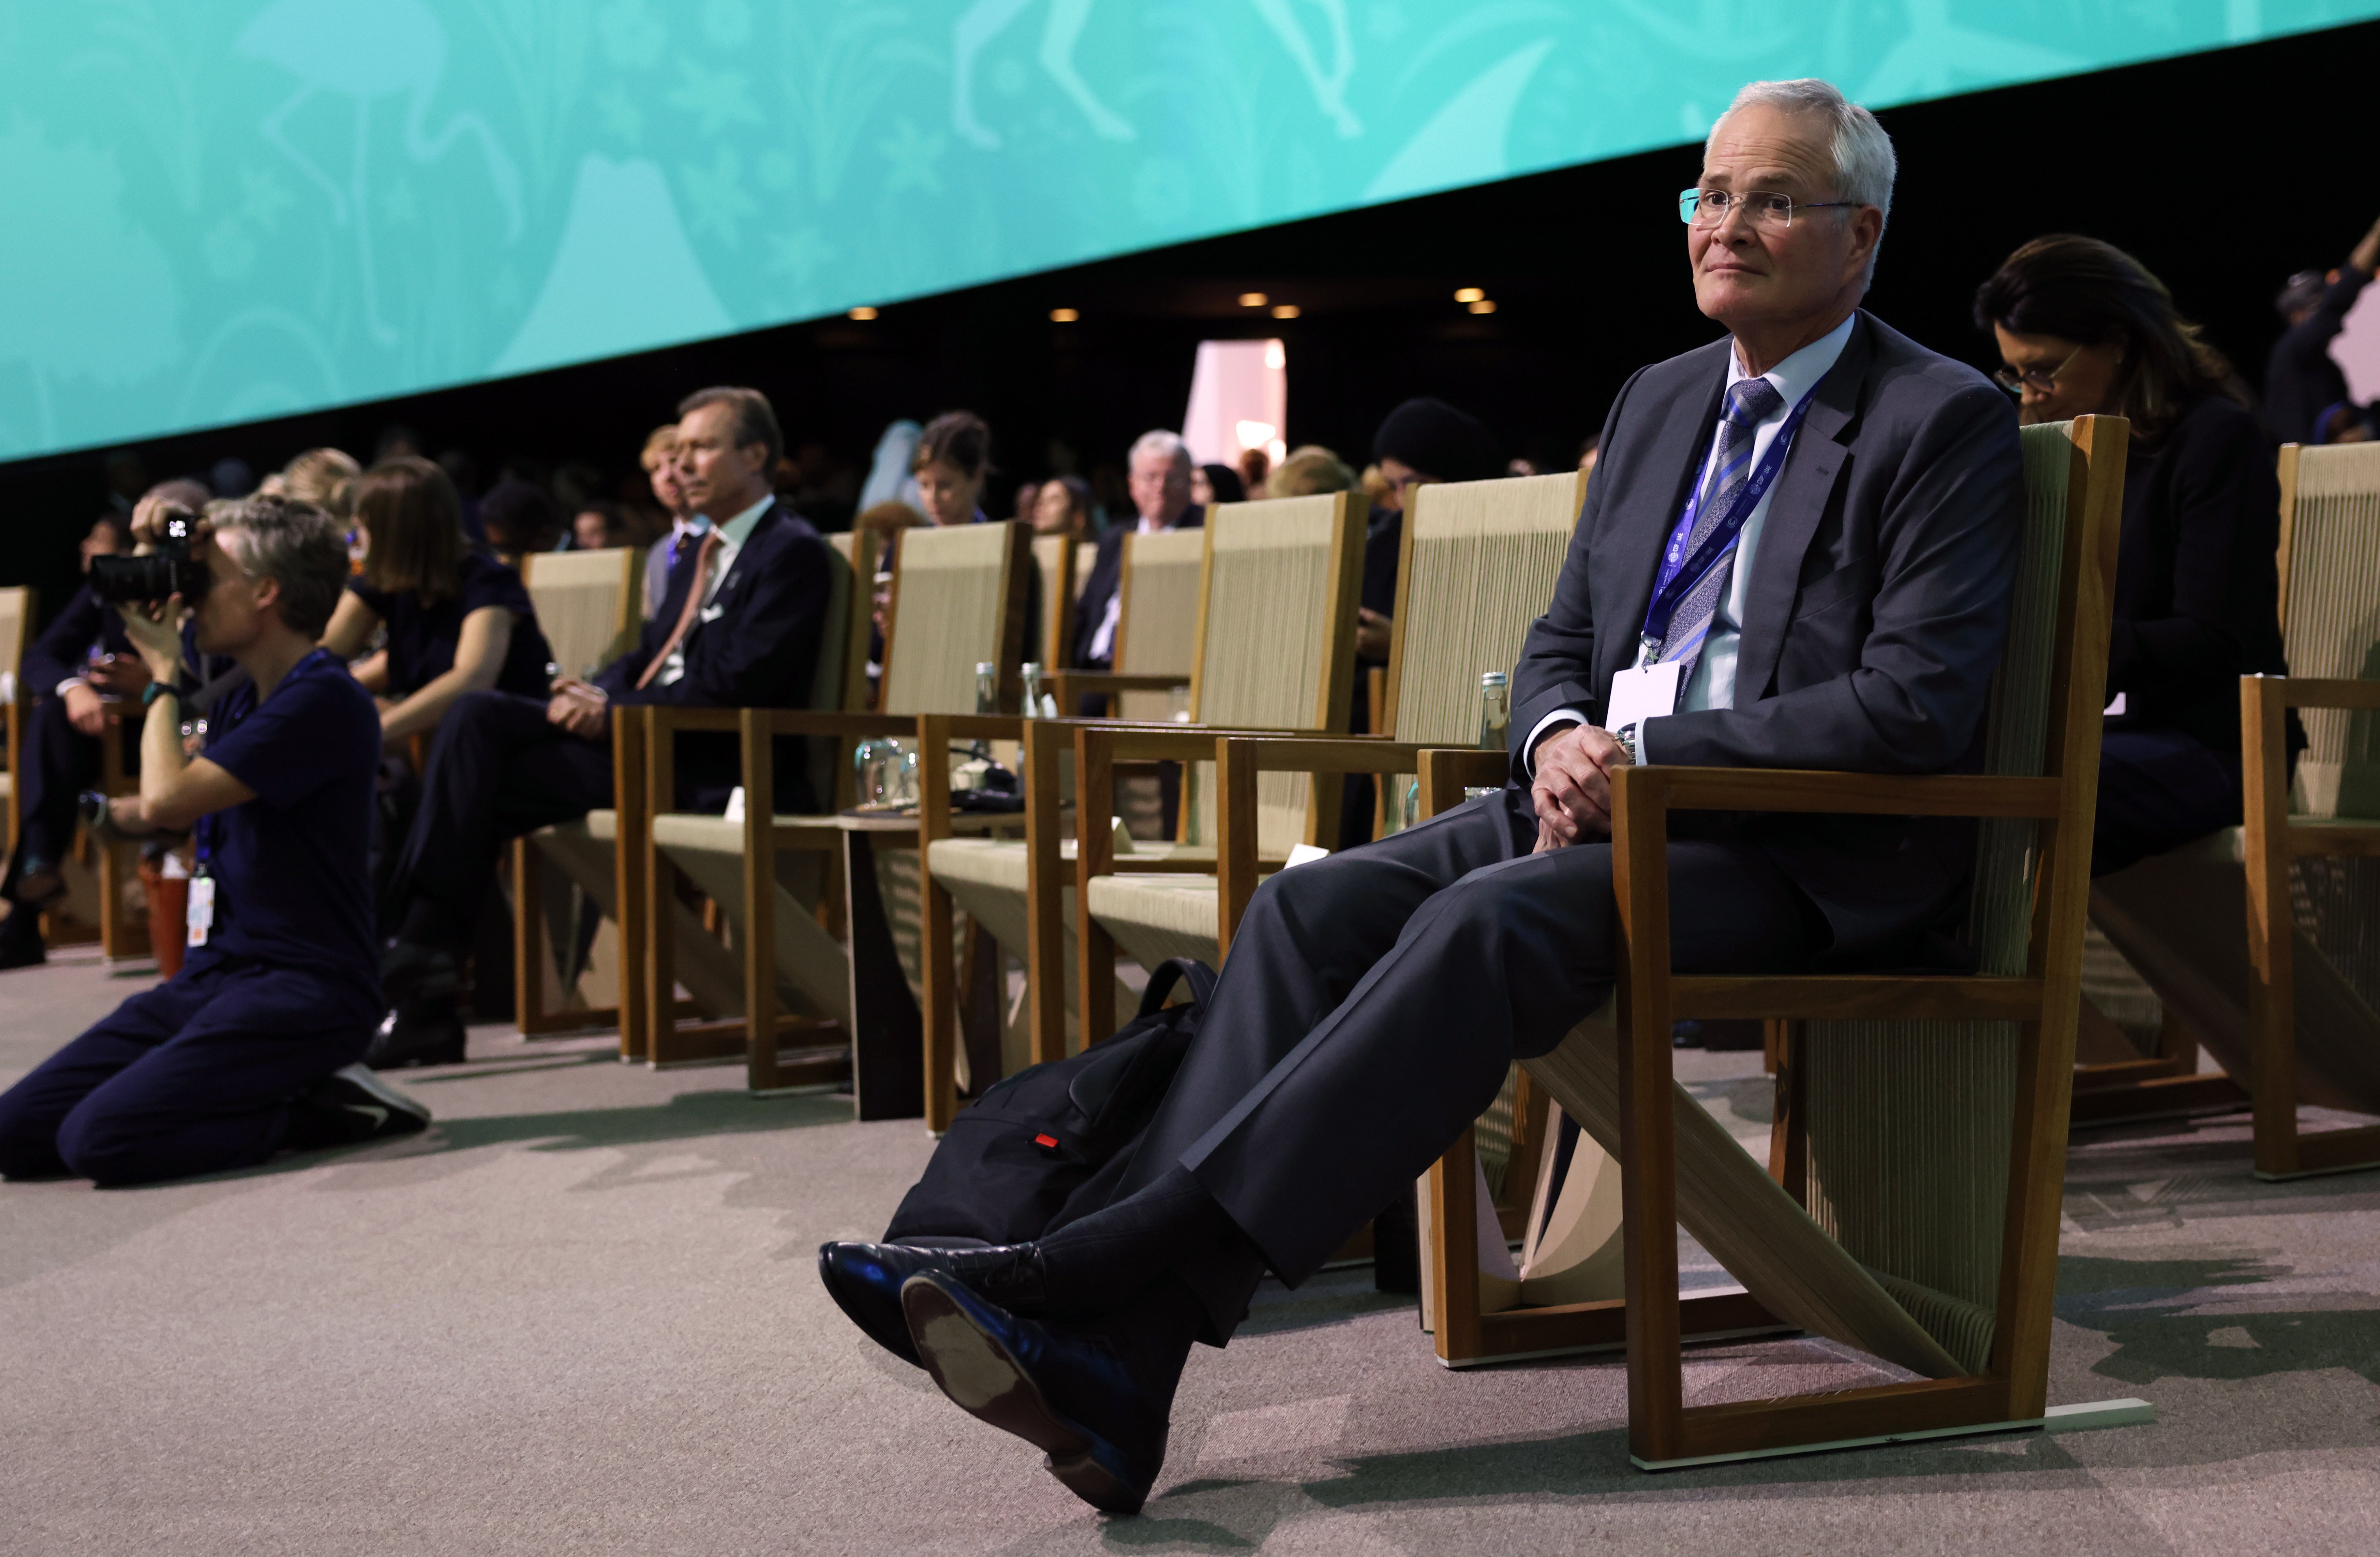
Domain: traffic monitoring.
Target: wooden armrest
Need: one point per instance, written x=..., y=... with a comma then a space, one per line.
x=671, y=721
x=2308, y=691
x=1446, y=772
x=1250, y=755
x=1068, y=685
x=1800, y=789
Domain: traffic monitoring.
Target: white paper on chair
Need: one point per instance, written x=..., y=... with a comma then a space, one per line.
x=735, y=804
x=1300, y=854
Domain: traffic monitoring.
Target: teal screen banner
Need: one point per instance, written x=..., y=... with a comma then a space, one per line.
x=222, y=209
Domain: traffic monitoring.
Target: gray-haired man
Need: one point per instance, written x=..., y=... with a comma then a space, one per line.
x=1795, y=554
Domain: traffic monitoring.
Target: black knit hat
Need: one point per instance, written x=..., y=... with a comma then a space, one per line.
x=1434, y=439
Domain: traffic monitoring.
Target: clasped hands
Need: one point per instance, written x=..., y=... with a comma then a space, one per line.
x=580, y=707
x=1572, y=791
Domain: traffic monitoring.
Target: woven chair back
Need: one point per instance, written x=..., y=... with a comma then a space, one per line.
x=1275, y=643
x=1910, y=1120
x=2330, y=628
x=953, y=607
x=1156, y=621
x=588, y=603
x=15, y=628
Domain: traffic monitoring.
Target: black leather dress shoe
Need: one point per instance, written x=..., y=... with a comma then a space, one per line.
x=413, y=1036
x=865, y=1282
x=1067, y=1390
x=413, y=971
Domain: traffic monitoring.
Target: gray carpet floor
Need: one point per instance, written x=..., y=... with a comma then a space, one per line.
x=581, y=1316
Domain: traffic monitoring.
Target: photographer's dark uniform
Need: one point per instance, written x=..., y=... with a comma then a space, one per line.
x=58, y=761
x=198, y=1074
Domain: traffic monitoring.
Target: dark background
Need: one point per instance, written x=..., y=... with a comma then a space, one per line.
x=2223, y=172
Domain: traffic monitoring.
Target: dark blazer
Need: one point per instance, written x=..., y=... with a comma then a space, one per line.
x=1879, y=604
x=64, y=649
x=759, y=650
x=1106, y=577
x=2197, y=593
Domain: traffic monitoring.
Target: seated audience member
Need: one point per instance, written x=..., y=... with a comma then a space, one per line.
x=458, y=621
x=1215, y=483
x=739, y=628
x=518, y=518
x=599, y=525
x=659, y=460
x=2086, y=330
x=1062, y=507
x=81, y=659
x=1256, y=468
x=1308, y=471
x=1423, y=441
x=950, y=464
x=2348, y=422
x=325, y=478
x=2300, y=380
x=1028, y=501
x=1589, y=453
x=1158, y=479
x=1374, y=1000
x=251, y=1047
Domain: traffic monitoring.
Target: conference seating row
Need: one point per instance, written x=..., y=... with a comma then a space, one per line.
x=1909, y=1207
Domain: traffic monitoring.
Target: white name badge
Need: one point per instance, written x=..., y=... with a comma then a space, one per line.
x=1640, y=693
x=203, y=908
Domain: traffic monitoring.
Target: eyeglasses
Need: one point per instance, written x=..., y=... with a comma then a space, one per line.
x=2039, y=380
x=1767, y=210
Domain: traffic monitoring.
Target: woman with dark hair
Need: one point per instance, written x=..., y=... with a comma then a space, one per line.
x=1215, y=483
x=458, y=621
x=1062, y=507
x=952, y=461
x=2084, y=329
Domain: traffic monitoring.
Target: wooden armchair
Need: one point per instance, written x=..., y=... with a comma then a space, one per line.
x=958, y=600
x=1275, y=653
x=587, y=605
x=1911, y=1206
x=2266, y=939
x=1053, y=559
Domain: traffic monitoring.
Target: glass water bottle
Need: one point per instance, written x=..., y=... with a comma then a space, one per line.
x=1495, y=711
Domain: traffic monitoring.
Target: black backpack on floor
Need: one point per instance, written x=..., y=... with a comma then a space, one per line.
x=1010, y=1164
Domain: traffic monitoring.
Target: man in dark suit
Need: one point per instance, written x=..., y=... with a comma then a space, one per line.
x=1796, y=553
x=1158, y=473
x=738, y=629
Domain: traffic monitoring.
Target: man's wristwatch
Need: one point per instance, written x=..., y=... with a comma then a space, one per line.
x=1626, y=736
x=157, y=689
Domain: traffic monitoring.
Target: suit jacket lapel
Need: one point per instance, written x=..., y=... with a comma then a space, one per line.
x=1629, y=553
x=1794, y=510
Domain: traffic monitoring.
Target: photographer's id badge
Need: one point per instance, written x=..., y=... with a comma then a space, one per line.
x=203, y=908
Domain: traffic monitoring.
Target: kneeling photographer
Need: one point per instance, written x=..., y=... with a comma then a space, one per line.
x=251, y=1048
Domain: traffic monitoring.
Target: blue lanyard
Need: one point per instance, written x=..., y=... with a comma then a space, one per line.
x=1680, y=573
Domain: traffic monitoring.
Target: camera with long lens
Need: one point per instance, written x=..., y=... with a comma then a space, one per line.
x=173, y=568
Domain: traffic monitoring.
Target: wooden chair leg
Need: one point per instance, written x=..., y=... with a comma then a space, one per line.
x=529, y=955
x=1453, y=1273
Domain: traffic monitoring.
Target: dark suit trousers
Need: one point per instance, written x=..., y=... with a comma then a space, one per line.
x=192, y=1077
x=2158, y=790
x=498, y=770
x=1373, y=1002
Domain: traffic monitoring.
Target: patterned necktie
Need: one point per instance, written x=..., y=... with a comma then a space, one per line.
x=703, y=557
x=1749, y=401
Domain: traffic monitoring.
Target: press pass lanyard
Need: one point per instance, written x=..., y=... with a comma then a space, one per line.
x=1679, y=571
x=201, y=916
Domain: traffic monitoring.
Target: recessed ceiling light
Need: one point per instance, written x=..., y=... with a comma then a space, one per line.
x=1468, y=294
x=1253, y=300
x=1485, y=305
x=1284, y=311
x=1064, y=316
x=863, y=312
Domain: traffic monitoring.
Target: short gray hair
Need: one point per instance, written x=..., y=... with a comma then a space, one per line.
x=1864, y=165
x=1165, y=445
x=295, y=544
